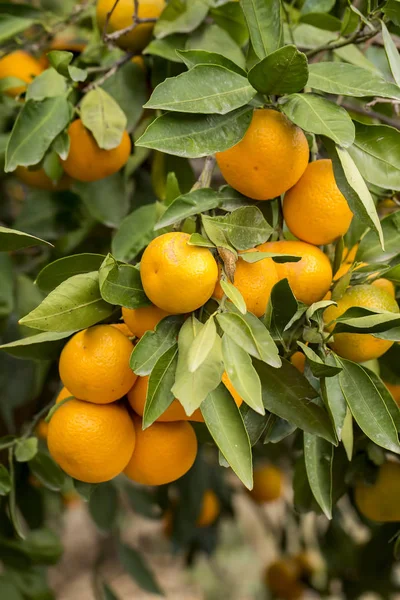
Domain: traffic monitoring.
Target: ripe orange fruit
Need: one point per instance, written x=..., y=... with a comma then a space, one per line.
x=282, y=578
x=123, y=329
x=175, y=411
x=379, y=501
x=91, y=443
x=267, y=484
x=310, y=278
x=269, y=160
x=122, y=17
x=22, y=65
x=64, y=393
x=298, y=360
x=360, y=347
x=210, y=509
x=394, y=389
x=315, y=209
x=42, y=429
x=176, y=277
x=386, y=285
x=94, y=364
x=140, y=320
x=349, y=254
x=40, y=180
x=254, y=281
x=163, y=452
x=86, y=161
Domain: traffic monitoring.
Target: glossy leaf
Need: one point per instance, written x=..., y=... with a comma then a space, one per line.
x=122, y=285
x=225, y=423
x=58, y=271
x=188, y=205
x=128, y=87
x=288, y=394
x=44, y=345
x=47, y=471
x=316, y=114
x=282, y=307
x=103, y=506
x=234, y=295
x=367, y=406
x=191, y=389
x=162, y=378
x=102, y=115
x=387, y=397
x=168, y=47
x=318, y=456
x=317, y=365
x=193, y=136
x=392, y=53
x=230, y=17
x=96, y=197
x=285, y=71
x=370, y=249
x=363, y=320
x=247, y=227
x=74, y=304
x=265, y=25
x=37, y=125
x=353, y=187
x=206, y=89
x=376, y=152
x=180, y=17
x=135, y=233
x=154, y=344
x=46, y=85
x=191, y=58
x=212, y=38
x=202, y=345
x=61, y=60
x=333, y=398
x=242, y=374
x=26, y=449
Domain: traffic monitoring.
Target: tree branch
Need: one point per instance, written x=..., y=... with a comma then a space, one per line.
x=136, y=20
x=111, y=70
x=355, y=38
x=375, y=115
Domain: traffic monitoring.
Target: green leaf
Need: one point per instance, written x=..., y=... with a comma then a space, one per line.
x=121, y=285
x=5, y=481
x=230, y=17
x=311, y=6
x=202, y=345
x=348, y=434
x=167, y=48
x=242, y=374
x=179, y=17
x=37, y=125
x=252, y=257
x=26, y=449
x=363, y=320
x=7, y=286
x=134, y=564
x=42, y=346
x=391, y=53
x=135, y=232
x=191, y=389
x=367, y=406
x=322, y=21
x=348, y=80
x=46, y=85
x=318, y=456
x=376, y=152
x=153, y=344
x=103, y=506
x=248, y=331
x=212, y=38
x=285, y=71
x=193, y=136
x=265, y=25
x=96, y=197
x=102, y=115
x=392, y=10
x=74, y=304
x=289, y=395
x=191, y=58
x=198, y=240
x=85, y=490
x=370, y=249
x=58, y=271
x=387, y=397
x=318, y=115
x=61, y=145
x=162, y=378
x=246, y=227
x=333, y=398
x=318, y=367
x=61, y=62
x=13, y=24
x=128, y=87
x=187, y=205
x=47, y=471
x=353, y=187
x=225, y=423
x=108, y=593
x=214, y=228
x=234, y=296
x=282, y=307
x=206, y=89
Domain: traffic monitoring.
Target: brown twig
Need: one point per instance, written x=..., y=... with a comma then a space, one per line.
x=375, y=115
x=136, y=20
x=383, y=101
x=108, y=17
x=204, y=180
x=355, y=38
x=113, y=69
